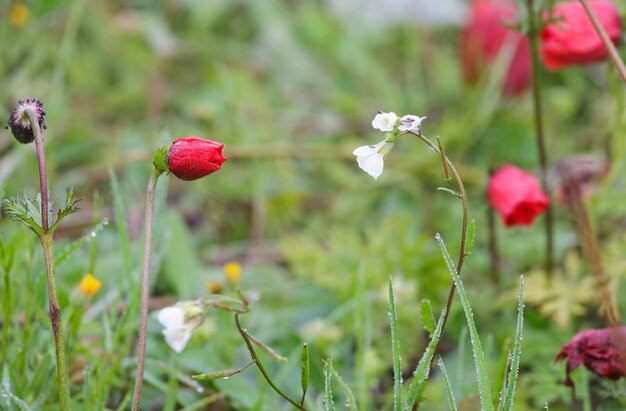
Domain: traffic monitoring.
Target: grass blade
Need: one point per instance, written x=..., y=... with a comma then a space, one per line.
x=351, y=403
x=422, y=371
x=449, y=393
x=395, y=351
x=329, y=404
x=517, y=351
x=484, y=387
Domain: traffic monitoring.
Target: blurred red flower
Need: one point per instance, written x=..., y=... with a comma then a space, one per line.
x=516, y=196
x=601, y=351
x=484, y=38
x=190, y=158
x=572, y=39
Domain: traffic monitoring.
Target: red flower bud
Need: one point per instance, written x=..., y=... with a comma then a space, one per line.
x=601, y=351
x=190, y=158
x=572, y=39
x=486, y=36
x=516, y=195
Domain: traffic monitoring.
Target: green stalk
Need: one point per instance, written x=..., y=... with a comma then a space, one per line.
x=533, y=39
x=145, y=289
x=46, y=240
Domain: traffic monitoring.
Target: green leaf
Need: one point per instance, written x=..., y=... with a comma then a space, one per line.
x=71, y=248
x=329, y=404
x=449, y=393
x=395, y=351
x=69, y=208
x=306, y=371
x=484, y=387
x=422, y=371
x=428, y=319
x=22, y=210
x=517, y=352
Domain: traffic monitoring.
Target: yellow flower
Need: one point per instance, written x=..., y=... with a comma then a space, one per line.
x=89, y=285
x=232, y=270
x=19, y=15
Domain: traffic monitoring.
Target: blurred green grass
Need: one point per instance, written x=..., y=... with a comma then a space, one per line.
x=291, y=89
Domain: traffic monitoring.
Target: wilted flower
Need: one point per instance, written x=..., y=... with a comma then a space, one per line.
x=516, y=195
x=214, y=287
x=602, y=351
x=571, y=39
x=486, y=37
x=89, y=285
x=385, y=121
x=581, y=173
x=190, y=158
x=410, y=123
x=179, y=321
x=20, y=123
x=371, y=159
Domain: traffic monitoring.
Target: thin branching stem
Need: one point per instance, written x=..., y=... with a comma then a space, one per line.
x=145, y=289
x=617, y=60
x=257, y=361
x=448, y=168
x=534, y=17
x=46, y=241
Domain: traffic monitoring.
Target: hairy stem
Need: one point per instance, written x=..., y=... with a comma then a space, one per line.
x=533, y=39
x=145, y=290
x=257, y=361
x=448, y=168
x=46, y=241
x=617, y=60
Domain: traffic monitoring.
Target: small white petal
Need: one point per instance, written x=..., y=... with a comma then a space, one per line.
x=385, y=121
x=410, y=123
x=372, y=165
x=177, y=338
x=364, y=150
x=172, y=317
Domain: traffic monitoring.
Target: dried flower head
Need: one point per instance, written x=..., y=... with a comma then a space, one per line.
x=20, y=123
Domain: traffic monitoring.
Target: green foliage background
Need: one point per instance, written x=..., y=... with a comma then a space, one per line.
x=291, y=89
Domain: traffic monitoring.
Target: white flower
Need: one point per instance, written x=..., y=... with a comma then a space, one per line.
x=371, y=159
x=410, y=123
x=177, y=333
x=385, y=121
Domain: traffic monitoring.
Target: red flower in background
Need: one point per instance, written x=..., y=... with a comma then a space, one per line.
x=190, y=158
x=516, y=196
x=572, y=39
x=486, y=36
x=601, y=351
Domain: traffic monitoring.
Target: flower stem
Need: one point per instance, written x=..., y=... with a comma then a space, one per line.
x=46, y=240
x=617, y=60
x=533, y=39
x=145, y=289
x=447, y=168
x=257, y=361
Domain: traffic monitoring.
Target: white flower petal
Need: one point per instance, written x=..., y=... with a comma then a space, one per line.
x=177, y=338
x=172, y=317
x=372, y=164
x=364, y=151
x=410, y=123
x=385, y=121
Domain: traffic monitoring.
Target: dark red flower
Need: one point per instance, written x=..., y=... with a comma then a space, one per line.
x=485, y=37
x=190, y=158
x=601, y=351
x=572, y=39
x=20, y=123
x=516, y=195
